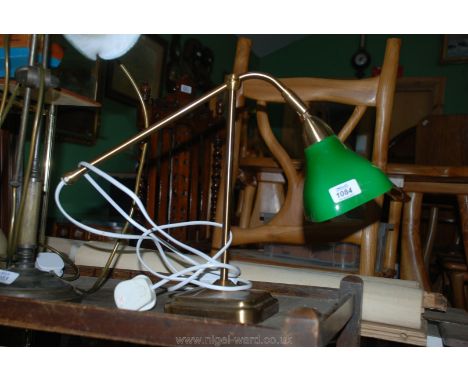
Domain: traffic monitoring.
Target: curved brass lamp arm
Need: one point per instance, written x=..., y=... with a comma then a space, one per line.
x=108, y=266
x=315, y=130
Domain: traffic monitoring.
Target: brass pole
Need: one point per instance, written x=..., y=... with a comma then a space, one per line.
x=48, y=149
x=233, y=85
x=19, y=185
x=31, y=193
x=16, y=181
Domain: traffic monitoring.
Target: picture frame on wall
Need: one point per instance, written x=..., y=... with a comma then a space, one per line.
x=145, y=62
x=454, y=48
x=80, y=124
x=83, y=79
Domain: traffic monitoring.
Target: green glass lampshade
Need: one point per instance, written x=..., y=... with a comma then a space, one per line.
x=338, y=180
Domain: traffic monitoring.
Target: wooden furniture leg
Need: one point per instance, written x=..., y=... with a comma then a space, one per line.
x=350, y=336
x=457, y=281
x=463, y=208
x=391, y=247
x=412, y=262
x=432, y=229
x=247, y=205
x=458, y=273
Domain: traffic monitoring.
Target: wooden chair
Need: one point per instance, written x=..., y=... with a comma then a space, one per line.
x=288, y=225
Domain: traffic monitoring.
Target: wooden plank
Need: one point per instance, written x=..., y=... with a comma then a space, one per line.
x=97, y=317
x=436, y=188
x=144, y=328
x=394, y=333
x=427, y=170
x=60, y=96
x=311, y=89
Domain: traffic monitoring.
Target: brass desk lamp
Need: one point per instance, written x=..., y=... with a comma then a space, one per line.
x=337, y=181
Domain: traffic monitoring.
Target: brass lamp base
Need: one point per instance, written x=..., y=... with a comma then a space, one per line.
x=35, y=284
x=243, y=307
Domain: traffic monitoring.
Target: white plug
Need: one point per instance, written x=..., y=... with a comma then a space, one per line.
x=50, y=262
x=135, y=294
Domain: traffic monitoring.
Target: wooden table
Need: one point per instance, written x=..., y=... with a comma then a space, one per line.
x=308, y=316
x=418, y=180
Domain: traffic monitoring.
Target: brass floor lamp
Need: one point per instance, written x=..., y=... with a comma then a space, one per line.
x=30, y=188
x=22, y=278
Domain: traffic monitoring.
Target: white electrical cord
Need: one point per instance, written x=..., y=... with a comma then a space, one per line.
x=194, y=274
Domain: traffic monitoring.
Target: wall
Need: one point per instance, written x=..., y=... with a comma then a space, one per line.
x=329, y=56
x=118, y=123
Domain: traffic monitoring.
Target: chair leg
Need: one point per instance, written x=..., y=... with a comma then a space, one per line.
x=246, y=212
x=427, y=254
x=368, y=250
x=391, y=248
x=412, y=262
x=370, y=235
x=457, y=281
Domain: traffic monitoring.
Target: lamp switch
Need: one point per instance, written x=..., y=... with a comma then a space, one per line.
x=135, y=294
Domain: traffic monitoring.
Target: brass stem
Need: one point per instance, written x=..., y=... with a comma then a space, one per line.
x=16, y=180
x=13, y=237
x=314, y=129
x=287, y=93
x=48, y=149
x=106, y=269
